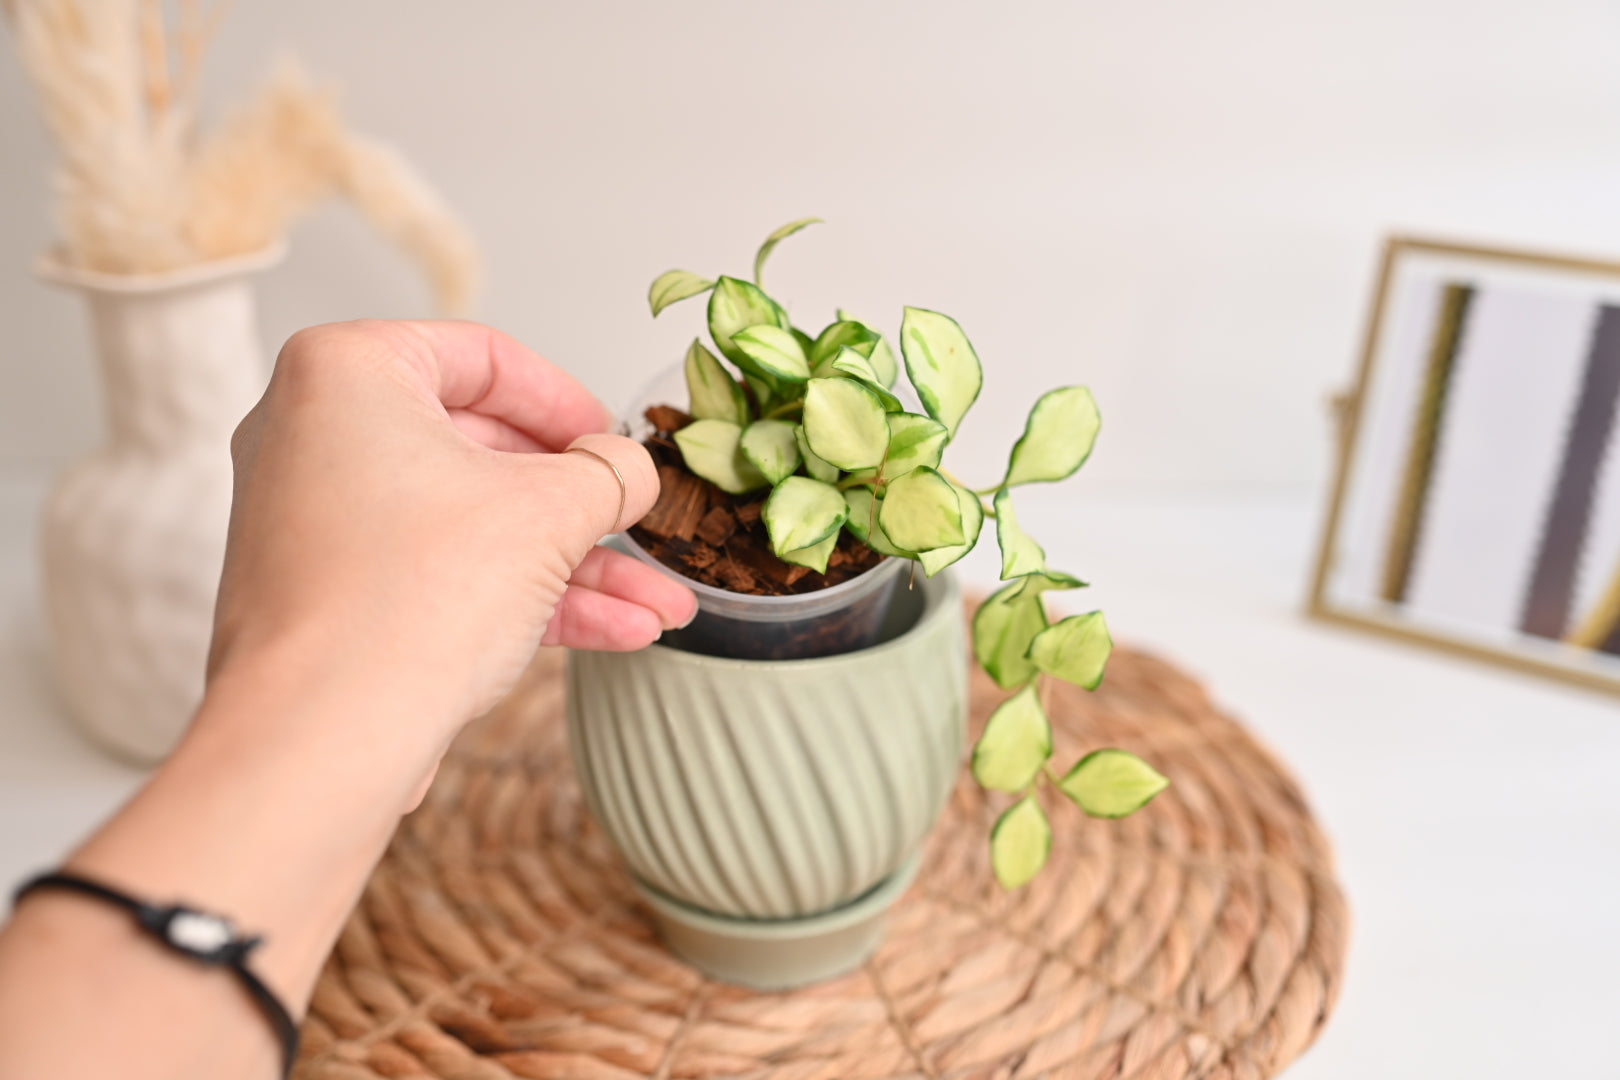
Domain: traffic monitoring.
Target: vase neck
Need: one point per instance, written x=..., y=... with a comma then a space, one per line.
x=179, y=365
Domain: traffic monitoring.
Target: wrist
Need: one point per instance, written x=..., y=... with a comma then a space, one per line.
x=273, y=809
x=313, y=701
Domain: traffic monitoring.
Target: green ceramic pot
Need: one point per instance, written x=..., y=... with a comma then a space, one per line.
x=769, y=795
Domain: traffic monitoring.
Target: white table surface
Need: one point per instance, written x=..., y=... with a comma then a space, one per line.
x=1476, y=813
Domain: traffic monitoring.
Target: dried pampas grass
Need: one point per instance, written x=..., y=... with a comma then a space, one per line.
x=287, y=150
x=140, y=192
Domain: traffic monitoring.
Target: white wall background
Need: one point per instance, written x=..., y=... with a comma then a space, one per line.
x=1179, y=203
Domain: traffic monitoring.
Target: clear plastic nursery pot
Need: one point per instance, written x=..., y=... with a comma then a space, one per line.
x=826, y=622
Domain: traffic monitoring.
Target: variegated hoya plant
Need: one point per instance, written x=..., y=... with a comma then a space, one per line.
x=815, y=420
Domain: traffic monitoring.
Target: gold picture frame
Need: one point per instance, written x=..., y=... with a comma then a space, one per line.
x=1447, y=278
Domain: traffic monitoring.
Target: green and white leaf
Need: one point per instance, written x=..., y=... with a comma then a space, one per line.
x=818, y=468
x=770, y=447
x=844, y=334
x=1020, y=554
x=863, y=522
x=1017, y=741
x=849, y=362
x=1004, y=628
x=884, y=363
x=866, y=342
x=801, y=513
x=972, y=521
x=736, y=305
x=1112, y=783
x=853, y=364
x=1020, y=843
x=1075, y=650
x=845, y=423
x=775, y=238
x=1047, y=580
x=711, y=391
x=773, y=352
x=712, y=449
x=921, y=512
x=941, y=364
x=815, y=556
x=764, y=392
x=806, y=342
x=673, y=286
x=1058, y=437
x=914, y=441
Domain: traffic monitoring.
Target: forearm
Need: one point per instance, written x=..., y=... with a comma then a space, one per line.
x=260, y=815
x=405, y=507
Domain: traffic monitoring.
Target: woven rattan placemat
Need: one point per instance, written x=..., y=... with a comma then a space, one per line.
x=1203, y=937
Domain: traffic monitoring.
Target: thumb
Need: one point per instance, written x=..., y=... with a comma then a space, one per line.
x=610, y=480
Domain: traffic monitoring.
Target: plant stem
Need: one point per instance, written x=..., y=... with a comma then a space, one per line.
x=783, y=410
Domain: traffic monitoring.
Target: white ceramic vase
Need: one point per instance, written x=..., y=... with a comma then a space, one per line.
x=134, y=534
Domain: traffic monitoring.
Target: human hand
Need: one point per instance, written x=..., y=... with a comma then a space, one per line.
x=405, y=525
x=405, y=532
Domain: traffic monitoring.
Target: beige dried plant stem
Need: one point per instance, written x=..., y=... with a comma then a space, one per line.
x=139, y=192
x=287, y=150
x=121, y=179
x=409, y=213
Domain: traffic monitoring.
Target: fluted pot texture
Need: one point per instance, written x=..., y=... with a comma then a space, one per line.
x=134, y=534
x=774, y=789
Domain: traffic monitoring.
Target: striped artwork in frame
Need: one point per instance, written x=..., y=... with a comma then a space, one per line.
x=1477, y=505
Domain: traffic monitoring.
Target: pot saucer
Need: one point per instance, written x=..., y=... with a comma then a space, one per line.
x=779, y=954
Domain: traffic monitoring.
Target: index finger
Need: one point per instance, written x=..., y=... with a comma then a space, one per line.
x=483, y=371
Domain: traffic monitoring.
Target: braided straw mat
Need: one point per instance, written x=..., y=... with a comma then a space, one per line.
x=1203, y=937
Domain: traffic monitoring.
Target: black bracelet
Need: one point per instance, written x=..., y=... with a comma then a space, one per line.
x=206, y=938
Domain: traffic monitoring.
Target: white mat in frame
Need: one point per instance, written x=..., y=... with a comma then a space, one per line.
x=1517, y=375
x=1514, y=377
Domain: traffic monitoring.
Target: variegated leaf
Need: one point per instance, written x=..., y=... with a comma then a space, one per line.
x=845, y=423
x=802, y=513
x=736, y=305
x=1020, y=843
x=711, y=448
x=817, y=467
x=913, y=441
x=941, y=364
x=1075, y=650
x=772, y=240
x=770, y=447
x=1058, y=437
x=815, y=556
x=863, y=522
x=772, y=352
x=1003, y=629
x=921, y=512
x=712, y=392
x=972, y=521
x=1112, y=783
x=1017, y=741
x=673, y=286
x=1020, y=554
